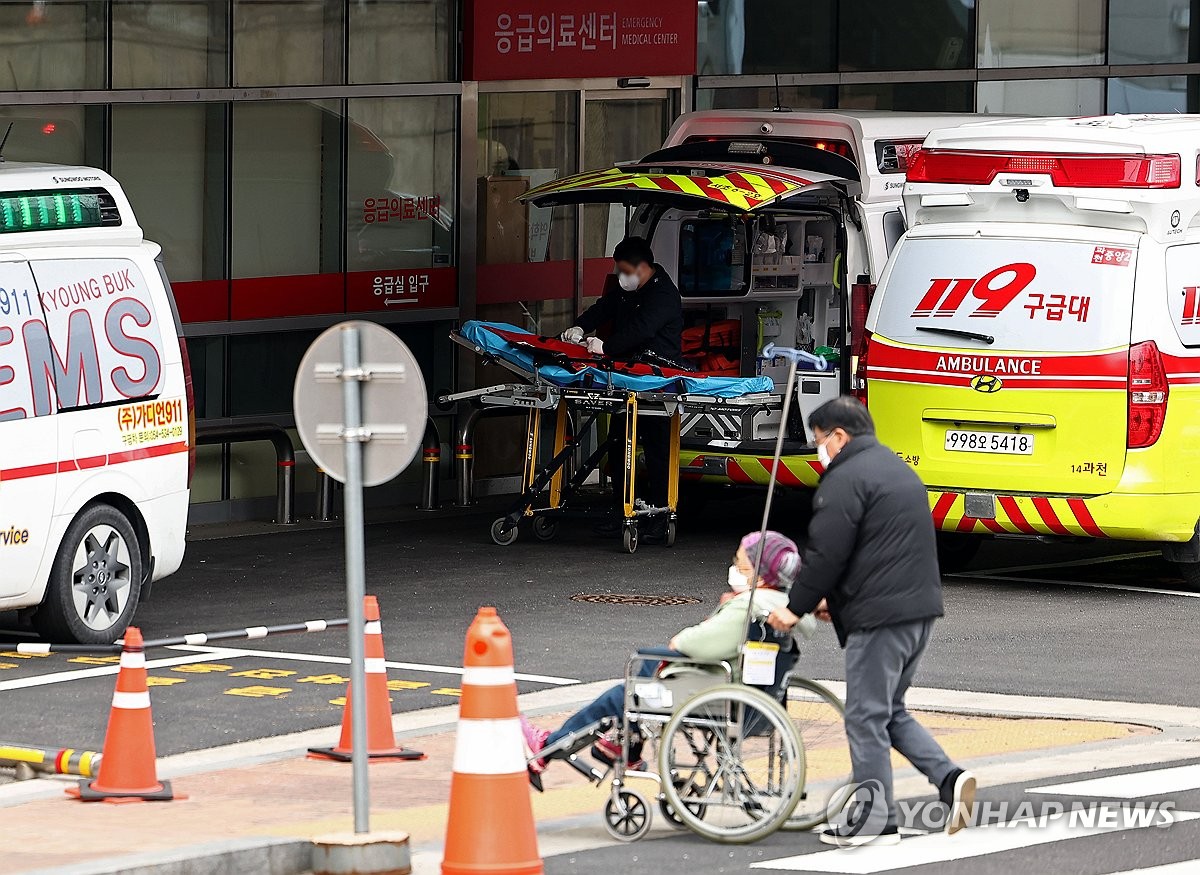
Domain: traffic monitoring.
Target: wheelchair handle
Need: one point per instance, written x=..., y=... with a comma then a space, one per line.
x=799, y=356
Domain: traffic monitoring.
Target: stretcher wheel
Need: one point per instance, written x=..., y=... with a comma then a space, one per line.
x=544, y=528
x=630, y=539
x=670, y=540
x=627, y=817
x=501, y=536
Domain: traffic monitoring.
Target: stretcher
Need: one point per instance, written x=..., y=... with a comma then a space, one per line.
x=579, y=388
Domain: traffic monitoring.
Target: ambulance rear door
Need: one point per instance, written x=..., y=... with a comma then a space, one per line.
x=999, y=356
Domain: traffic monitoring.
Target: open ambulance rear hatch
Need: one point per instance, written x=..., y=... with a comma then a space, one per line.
x=1001, y=361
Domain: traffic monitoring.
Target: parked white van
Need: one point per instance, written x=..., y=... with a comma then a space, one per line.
x=96, y=420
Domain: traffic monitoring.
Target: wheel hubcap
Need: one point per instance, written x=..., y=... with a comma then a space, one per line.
x=102, y=577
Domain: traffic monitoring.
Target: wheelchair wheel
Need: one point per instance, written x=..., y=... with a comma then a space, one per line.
x=627, y=817
x=819, y=718
x=503, y=537
x=668, y=812
x=544, y=528
x=734, y=752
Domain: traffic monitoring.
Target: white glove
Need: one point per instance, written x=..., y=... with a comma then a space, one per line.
x=574, y=334
x=595, y=346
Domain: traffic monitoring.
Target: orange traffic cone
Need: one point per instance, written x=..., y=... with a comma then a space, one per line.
x=381, y=738
x=490, y=829
x=127, y=772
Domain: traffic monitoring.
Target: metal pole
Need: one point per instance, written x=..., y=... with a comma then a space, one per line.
x=355, y=571
x=324, y=496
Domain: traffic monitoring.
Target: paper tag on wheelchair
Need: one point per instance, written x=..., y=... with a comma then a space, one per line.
x=758, y=663
x=653, y=695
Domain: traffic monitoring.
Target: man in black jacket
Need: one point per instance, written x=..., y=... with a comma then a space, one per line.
x=645, y=315
x=870, y=567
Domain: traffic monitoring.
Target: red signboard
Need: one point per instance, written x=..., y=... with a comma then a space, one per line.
x=418, y=289
x=539, y=39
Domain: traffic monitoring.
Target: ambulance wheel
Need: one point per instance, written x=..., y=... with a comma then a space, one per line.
x=627, y=817
x=503, y=537
x=670, y=538
x=630, y=539
x=544, y=528
x=1190, y=572
x=955, y=552
x=95, y=580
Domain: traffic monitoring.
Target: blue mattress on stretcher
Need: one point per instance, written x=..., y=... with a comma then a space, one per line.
x=571, y=365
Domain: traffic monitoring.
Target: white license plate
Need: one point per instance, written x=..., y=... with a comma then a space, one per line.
x=1003, y=442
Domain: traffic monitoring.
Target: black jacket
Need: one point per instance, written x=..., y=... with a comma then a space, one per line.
x=649, y=318
x=871, y=549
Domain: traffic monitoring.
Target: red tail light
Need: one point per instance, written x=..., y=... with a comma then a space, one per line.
x=191, y=407
x=1074, y=170
x=860, y=339
x=1148, y=394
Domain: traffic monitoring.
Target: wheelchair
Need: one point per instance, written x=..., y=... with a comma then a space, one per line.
x=730, y=756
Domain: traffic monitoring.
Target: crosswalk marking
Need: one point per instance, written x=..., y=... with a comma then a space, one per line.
x=940, y=848
x=1183, y=867
x=1133, y=785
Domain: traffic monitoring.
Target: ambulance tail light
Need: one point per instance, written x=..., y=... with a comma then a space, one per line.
x=191, y=407
x=1148, y=393
x=1069, y=170
x=860, y=304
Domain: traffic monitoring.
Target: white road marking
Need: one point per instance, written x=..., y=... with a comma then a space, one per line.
x=1078, y=583
x=59, y=677
x=407, y=666
x=1133, y=785
x=939, y=848
x=1183, y=867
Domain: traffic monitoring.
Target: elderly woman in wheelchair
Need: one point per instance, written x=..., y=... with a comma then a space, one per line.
x=715, y=703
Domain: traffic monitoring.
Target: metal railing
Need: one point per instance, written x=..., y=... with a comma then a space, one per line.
x=285, y=458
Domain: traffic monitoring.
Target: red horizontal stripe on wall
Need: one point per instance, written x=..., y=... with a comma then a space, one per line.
x=268, y=297
x=596, y=272
x=538, y=281
x=202, y=300
x=401, y=289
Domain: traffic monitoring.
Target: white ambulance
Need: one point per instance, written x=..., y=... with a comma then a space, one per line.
x=1035, y=339
x=96, y=423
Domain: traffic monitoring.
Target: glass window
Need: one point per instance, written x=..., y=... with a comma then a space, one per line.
x=526, y=258
x=1148, y=94
x=400, y=174
x=908, y=96
x=1040, y=33
x=169, y=44
x=52, y=134
x=287, y=42
x=273, y=359
x=170, y=159
x=1149, y=31
x=53, y=45
x=399, y=41
x=286, y=189
x=907, y=35
x=1048, y=97
x=790, y=96
x=765, y=36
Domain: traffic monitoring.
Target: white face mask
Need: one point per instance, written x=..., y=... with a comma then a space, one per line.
x=738, y=582
x=823, y=455
x=628, y=281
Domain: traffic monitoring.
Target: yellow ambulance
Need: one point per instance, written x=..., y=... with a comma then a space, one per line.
x=1034, y=345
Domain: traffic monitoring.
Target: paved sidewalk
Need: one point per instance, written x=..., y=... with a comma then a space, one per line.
x=265, y=789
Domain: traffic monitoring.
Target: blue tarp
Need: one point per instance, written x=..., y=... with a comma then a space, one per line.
x=483, y=335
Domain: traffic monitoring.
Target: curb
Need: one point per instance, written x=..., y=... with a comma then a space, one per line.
x=263, y=856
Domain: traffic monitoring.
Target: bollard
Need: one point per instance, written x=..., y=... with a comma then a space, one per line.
x=325, y=488
x=29, y=760
x=464, y=459
x=431, y=459
x=285, y=492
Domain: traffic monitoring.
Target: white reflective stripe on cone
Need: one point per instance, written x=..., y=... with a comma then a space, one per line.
x=375, y=665
x=373, y=627
x=489, y=747
x=316, y=626
x=131, y=701
x=488, y=676
x=133, y=660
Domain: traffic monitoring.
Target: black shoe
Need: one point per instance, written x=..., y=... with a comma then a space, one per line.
x=957, y=793
x=608, y=528
x=848, y=837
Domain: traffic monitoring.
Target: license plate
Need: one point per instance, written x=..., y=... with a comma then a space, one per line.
x=1002, y=442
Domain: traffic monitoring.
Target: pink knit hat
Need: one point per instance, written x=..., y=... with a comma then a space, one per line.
x=780, y=558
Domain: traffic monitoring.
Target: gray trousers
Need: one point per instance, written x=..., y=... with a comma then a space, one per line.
x=880, y=664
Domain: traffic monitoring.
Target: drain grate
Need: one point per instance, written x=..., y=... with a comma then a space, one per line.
x=619, y=598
